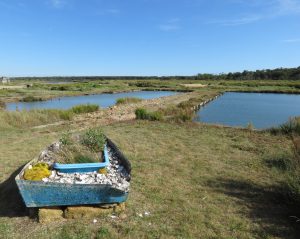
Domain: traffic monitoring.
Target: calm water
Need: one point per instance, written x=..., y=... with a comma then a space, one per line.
x=103, y=100
x=261, y=109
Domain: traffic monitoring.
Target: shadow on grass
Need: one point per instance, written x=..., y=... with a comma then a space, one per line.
x=267, y=206
x=11, y=203
x=281, y=162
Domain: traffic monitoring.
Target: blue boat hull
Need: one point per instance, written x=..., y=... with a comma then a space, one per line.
x=48, y=194
x=40, y=194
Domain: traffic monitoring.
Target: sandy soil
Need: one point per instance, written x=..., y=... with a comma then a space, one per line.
x=194, y=85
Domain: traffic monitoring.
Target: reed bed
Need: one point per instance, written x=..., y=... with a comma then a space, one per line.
x=31, y=118
x=128, y=100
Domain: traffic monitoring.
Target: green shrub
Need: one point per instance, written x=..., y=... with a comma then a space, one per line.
x=191, y=102
x=75, y=152
x=65, y=139
x=296, y=142
x=177, y=114
x=292, y=167
x=293, y=186
x=83, y=159
x=183, y=116
x=79, y=109
x=127, y=100
x=143, y=114
x=60, y=88
x=292, y=127
x=142, y=84
x=94, y=139
x=155, y=116
x=188, y=104
x=173, y=114
x=184, y=111
x=31, y=99
x=65, y=114
x=86, y=148
x=63, y=88
x=281, y=161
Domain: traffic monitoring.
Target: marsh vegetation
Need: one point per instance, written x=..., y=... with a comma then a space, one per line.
x=86, y=147
x=128, y=100
x=221, y=182
x=24, y=118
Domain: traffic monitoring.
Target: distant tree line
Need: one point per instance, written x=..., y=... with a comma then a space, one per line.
x=275, y=74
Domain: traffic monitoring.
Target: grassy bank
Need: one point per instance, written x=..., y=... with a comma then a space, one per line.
x=290, y=165
x=181, y=112
x=292, y=127
x=127, y=100
x=25, y=119
x=218, y=181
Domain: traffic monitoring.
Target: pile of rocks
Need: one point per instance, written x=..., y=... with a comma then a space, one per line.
x=116, y=176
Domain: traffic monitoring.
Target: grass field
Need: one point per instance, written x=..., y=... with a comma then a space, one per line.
x=197, y=181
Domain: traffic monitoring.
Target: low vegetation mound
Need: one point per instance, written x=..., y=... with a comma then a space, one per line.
x=85, y=148
x=79, y=109
x=292, y=127
x=143, y=114
x=183, y=112
x=290, y=165
x=31, y=98
x=127, y=100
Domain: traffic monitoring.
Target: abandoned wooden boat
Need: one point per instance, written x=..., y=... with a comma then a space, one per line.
x=83, y=187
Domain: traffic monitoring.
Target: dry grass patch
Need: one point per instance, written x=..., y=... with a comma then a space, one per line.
x=195, y=180
x=194, y=85
x=12, y=86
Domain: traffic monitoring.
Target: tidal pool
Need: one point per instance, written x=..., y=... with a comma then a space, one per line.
x=103, y=100
x=262, y=110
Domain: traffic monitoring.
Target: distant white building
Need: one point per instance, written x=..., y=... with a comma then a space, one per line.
x=4, y=80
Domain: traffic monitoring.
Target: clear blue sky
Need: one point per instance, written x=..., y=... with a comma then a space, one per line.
x=147, y=37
